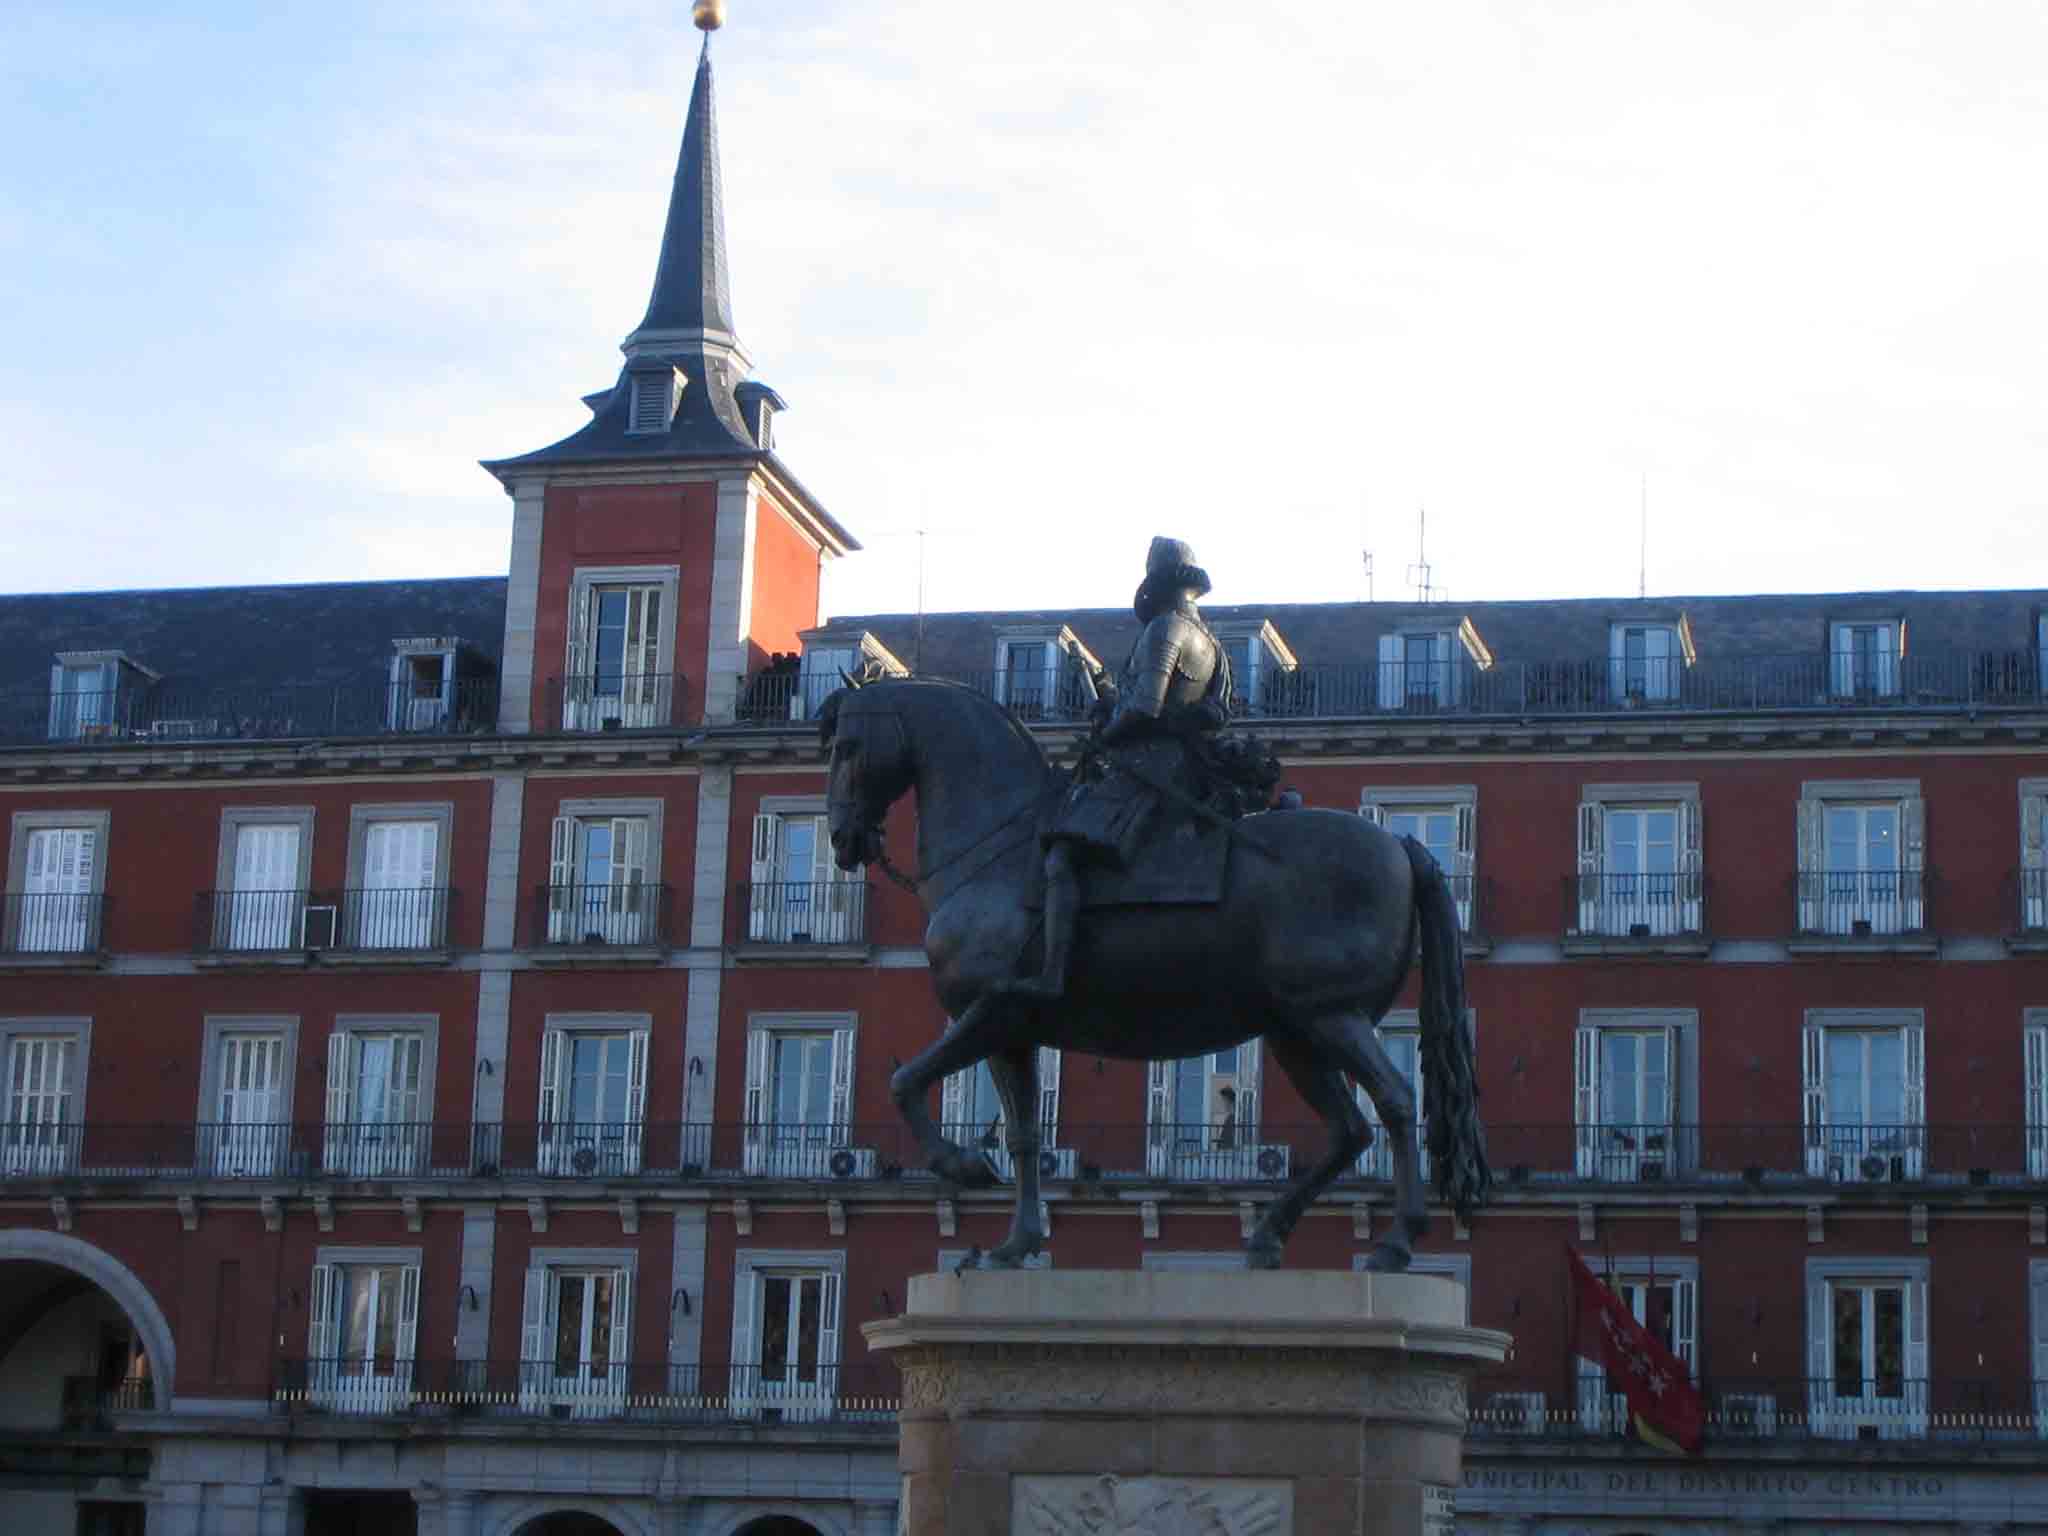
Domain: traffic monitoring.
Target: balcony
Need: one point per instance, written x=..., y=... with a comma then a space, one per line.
x=587, y=1391
x=51, y=929
x=649, y=701
x=1879, y=911
x=172, y=713
x=387, y=925
x=1662, y=914
x=791, y=916
x=600, y=924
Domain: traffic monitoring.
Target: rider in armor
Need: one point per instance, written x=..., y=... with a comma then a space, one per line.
x=1174, y=688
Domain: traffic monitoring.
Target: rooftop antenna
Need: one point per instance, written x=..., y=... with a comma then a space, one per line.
x=1419, y=573
x=1643, y=540
x=917, y=649
x=1368, y=576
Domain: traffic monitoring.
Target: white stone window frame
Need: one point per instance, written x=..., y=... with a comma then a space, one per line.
x=1815, y=797
x=24, y=824
x=234, y=817
x=765, y=917
x=1461, y=801
x=1682, y=1066
x=1826, y=1413
x=1683, y=656
x=1679, y=796
x=362, y=1394
x=561, y=1028
x=2034, y=1081
x=816, y=683
x=1838, y=1153
x=538, y=1384
x=1602, y=1412
x=440, y=812
x=652, y=395
x=215, y=1031
x=1888, y=659
x=1458, y=650
x=1375, y=1162
x=1057, y=1162
x=1192, y=1261
x=2037, y=1335
x=64, y=1155
x=1268, y=654
x=609, y=808
x=763, y=1155
x=584, y=581
x=751, y=1267
x=399, y=1162
x=398, y=712
x=1060, y=642
x=2033, y=795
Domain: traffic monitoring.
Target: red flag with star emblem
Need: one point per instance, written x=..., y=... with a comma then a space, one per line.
x=1662, y=1399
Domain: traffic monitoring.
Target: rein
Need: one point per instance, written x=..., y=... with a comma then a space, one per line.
x=914, y=885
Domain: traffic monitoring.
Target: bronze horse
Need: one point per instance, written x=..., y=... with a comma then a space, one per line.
x=1308, y=948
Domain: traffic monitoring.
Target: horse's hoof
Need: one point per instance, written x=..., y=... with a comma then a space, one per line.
x=966, y=1171
x=1389, y=1258
x=1262, y=1255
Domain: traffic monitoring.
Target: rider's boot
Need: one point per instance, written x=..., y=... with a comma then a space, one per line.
x=1062, y=907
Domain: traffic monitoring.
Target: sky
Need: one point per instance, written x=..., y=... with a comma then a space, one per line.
x=1044, y=281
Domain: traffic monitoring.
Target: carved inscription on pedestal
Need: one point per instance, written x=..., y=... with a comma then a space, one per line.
x=1150, y=1506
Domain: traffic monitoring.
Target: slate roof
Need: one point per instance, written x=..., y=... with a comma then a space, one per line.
x=249, y=638
x=1570, y=629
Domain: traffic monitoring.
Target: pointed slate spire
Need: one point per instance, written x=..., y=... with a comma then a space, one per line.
x=692, y=299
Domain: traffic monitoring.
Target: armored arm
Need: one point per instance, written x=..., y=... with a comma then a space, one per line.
x=1149, y=675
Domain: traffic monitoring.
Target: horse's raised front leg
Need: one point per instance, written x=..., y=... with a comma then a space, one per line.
x=975, y=1035
x=1355, y=1044
x=1015, y=1073
x=1317, y=1077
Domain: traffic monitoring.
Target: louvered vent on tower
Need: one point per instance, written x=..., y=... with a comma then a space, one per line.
x=654, y=400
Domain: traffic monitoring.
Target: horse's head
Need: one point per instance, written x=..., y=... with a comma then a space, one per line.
x=868, y=768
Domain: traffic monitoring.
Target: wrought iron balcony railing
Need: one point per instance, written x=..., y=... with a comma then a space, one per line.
x=350, y=921
x=807, y=912
x=90, y=1404
x=383, y=919
x=1636, y=907
x=1863, y=904
x=41, y=924
x=196, y=712
x=640, y=702
x=584, y=1389
x=620, y=916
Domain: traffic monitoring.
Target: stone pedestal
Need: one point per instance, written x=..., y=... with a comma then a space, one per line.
x=1282, y=1403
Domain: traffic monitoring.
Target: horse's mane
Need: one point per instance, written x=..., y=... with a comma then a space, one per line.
x=828, y=712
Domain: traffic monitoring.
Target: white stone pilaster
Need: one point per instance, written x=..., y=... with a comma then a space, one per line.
x=732, y=595
x=686, y=1332
x=175, y=1509
x=501, y=936
x=711, y=877
x=522, y=606
x=479, y=1240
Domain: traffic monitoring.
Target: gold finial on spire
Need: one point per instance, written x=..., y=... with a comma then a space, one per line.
x=708, y=14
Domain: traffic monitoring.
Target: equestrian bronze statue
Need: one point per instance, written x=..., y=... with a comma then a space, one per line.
x=1129, y=908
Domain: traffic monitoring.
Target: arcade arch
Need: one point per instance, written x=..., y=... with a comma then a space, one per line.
x=69, y=1310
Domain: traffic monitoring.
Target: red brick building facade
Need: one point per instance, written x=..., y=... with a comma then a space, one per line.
x=446, y=1082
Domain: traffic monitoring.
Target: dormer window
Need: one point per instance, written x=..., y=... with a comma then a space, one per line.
x=830, y=657
x=1259, y=659
x=1864, y=657
x=1429, y=666
x=422, y=683
x=94, y=694
x=1038, y=673
x=758, y=406
x=1647, y=661
x=653, y=406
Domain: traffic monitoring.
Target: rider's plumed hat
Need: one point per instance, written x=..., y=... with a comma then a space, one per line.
x=1169, y=566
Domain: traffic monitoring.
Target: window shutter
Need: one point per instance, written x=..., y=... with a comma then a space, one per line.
x=1842, y=660
x=764, y=849
x=622, y=1323
x=322, y=1305
x=1393, y=684
x=1670, y=1105
x=758, y=1042
x=842, y=1086
x=550, y=1073
x=745, y=1299
x=62, y=720
x=533, y=1330
x=582, y=600
x=1913, y=858
x=1814, y=1100
x=2040, y=1319
x=1592, y=849
x=2034, y=861
x=2036, y=1067
x=1820, y=1366
x=1466, y=861
x=953, y=1102
x=822, y=867
x=408, y=1322
x=1049, y=1094
x=1691, y=863
x=1685, y=1323
x=629, y=863
x=636, y=1097
x=86, y=845
x=1811, y=864
x=1916, y=1343
x=1913, y=1097
x=340, y=1096
x=828, y=1332
x=1586, y=1098
x=1617, y=661
x=561, y=877
x=1158, y=1111
x=1373, y=812
x=1891, y=649
x=1251, y=1064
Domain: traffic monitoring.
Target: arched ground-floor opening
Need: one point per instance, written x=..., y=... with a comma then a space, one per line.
x=361, y=1514
x=568, y=1524
x=70, y=1356
x=779, y=1525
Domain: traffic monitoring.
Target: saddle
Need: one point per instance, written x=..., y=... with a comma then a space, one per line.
x=1179, y=862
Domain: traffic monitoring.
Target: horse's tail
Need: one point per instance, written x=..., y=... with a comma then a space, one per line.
x=1457, y=1141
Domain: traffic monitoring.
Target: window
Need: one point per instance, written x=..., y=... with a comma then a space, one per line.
x=1865, y=1100
x=1039, y=675
x=56, y=878
x=1867, y=1347
x=1647, y=662
x=2037, y=1295
x=1400, y=1037
x=1863, y=661
x=2034, y=1067
x=798, y=895
x=971, y=1113
x=1259, y=662
x=602, y=881
x=1662, y=1295
x=576, y=1343
x=1445, y=820
x=1455, y=1267
x=621, y=640
x=830, y=658
x=1429, y=669
x=800, y=1099
x=397, y=876
x=785, y=1335
x=260, y=898
x=2034, y=855
x=362, y=1329
x=1862, y=848
x=593, y=1093
x=1192, y=1262
x=93, y=693
x=245, y=1077
x=45, y=1083
x=1640, y=866
x=422, y=694
x=1627, y=1069
x=1202, y=1116
x=379, y=1093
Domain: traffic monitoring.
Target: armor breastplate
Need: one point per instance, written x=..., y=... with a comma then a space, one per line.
x=1171, y=664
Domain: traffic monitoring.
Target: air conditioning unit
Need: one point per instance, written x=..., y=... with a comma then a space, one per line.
x=319, y=927
x=851, y=1163
x=183, y=730
x=1749, y=1413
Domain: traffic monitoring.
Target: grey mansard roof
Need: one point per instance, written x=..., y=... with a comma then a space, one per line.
x=250, y=638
